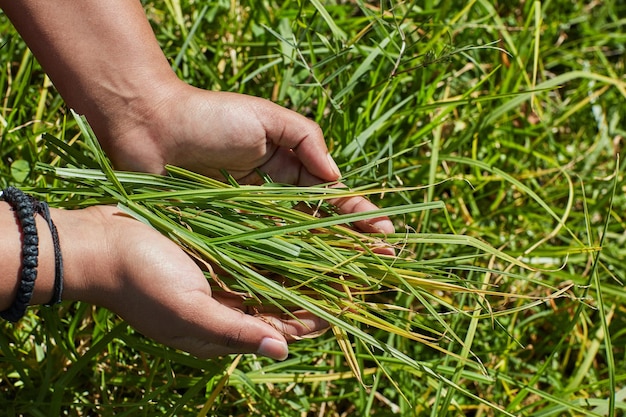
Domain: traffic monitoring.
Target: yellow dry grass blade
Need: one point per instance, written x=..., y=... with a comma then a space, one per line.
x=346, y=347
x=219, y=387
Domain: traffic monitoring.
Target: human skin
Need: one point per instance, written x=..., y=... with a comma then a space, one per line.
x=145, y=278
x=105, y=61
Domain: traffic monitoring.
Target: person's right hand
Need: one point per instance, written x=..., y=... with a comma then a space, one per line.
x=119, y=263
x=207, y=132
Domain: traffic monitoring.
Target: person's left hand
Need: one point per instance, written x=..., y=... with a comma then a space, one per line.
x=117, y=262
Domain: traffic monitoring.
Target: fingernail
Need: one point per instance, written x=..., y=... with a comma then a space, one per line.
x=274, y=349
x=384, y=226
x=333, y=166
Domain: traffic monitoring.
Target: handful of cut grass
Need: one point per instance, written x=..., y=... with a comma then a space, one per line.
x=272, y=253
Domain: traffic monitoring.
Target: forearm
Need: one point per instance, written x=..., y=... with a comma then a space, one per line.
x=102, y=56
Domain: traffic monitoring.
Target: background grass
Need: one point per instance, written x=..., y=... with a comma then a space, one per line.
x=511, y=114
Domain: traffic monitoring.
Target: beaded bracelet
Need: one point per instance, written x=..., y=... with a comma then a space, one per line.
x=25, y=208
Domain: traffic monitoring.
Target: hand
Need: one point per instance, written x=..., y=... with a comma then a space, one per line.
x=207, y=132
x=149, y=281
x=112, y=70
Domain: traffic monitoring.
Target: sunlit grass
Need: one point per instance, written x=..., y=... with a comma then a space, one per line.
x=489, y=132
x=256, y=234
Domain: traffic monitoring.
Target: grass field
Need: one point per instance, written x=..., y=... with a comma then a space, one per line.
x=510, y=116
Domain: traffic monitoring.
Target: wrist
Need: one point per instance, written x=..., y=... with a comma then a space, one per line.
x=89, y=258
x=29, y=236
x=102, y=56
x=128, y=122
x=88, y=267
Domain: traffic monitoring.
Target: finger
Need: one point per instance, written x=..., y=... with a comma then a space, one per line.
x=293, y=325
x=285, y=167
x=230, y=331
x=244, y=303
x=200, y=325
x=297, y=325
x=290, y=130
x=358, y=204
x=355, y=204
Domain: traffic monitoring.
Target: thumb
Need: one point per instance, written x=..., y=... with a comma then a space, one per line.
x=291, y=130
x=215, y=329
x=198, y=324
